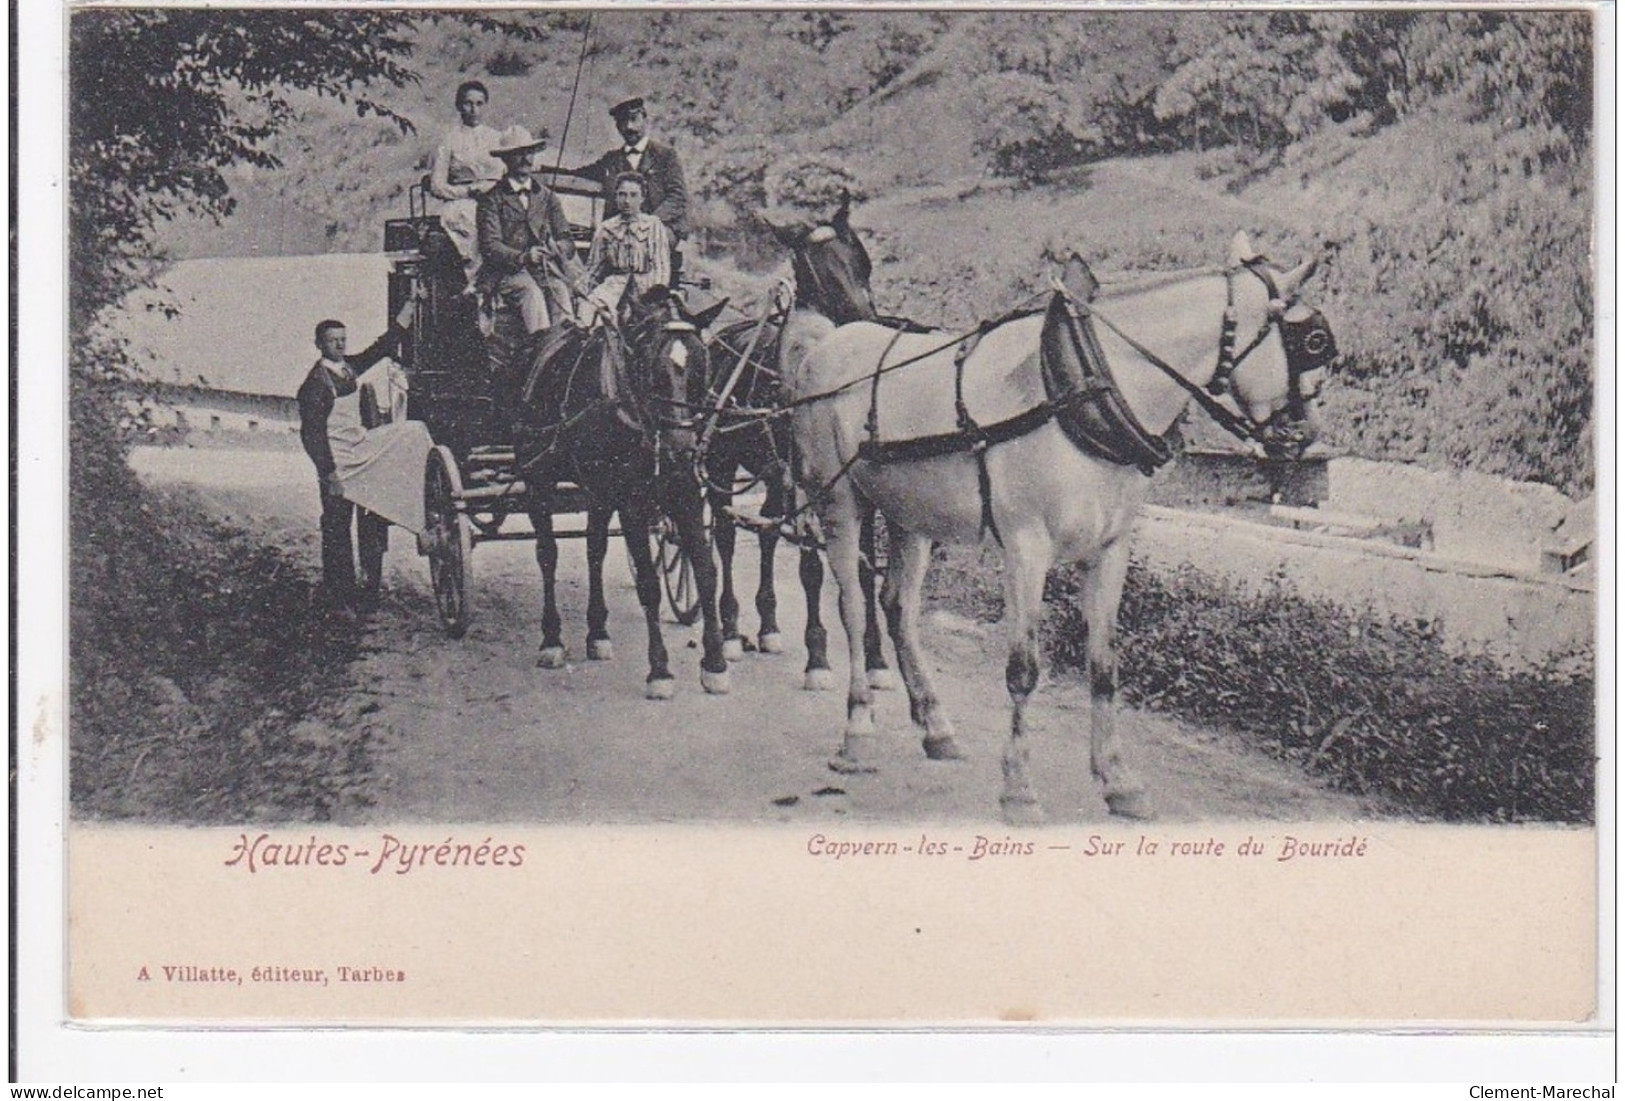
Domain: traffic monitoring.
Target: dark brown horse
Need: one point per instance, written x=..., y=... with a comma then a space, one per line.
x=611, y=411
x=831, y=270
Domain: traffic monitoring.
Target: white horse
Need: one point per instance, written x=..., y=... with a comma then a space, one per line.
x=1025, y=483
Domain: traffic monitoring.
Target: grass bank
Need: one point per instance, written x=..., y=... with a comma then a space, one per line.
x=1378, y=709
x=205, y=683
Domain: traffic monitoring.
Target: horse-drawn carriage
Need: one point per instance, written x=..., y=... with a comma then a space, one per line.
x=473, y=486
x=1052, y=467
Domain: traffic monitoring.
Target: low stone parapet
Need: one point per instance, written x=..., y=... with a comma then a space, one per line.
x=1523, y=618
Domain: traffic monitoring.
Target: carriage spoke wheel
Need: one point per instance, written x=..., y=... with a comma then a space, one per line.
x=450, y=540
x=676, y=571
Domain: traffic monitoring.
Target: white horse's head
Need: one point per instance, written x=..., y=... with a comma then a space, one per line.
x=1285, y=348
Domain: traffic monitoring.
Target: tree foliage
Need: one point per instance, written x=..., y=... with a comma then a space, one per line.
x=164, y=101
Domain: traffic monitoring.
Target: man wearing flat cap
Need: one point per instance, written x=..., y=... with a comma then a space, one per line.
x=528, y=259
x=665, y=195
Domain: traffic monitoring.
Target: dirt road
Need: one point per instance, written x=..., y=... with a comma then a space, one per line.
x=472, y=730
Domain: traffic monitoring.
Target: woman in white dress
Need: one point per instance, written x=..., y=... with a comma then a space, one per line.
x=463, y=169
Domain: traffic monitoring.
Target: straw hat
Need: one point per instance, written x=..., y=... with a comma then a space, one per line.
x=517, y=140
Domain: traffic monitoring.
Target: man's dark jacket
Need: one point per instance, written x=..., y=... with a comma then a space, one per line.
x=317, y=393
x=665, y=196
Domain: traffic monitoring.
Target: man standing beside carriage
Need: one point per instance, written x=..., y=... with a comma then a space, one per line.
x=368, y=471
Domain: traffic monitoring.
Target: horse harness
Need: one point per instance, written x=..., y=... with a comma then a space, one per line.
x=1084, y=398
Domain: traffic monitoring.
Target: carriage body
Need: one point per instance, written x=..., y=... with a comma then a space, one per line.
x=444, y=355
x=472, y=487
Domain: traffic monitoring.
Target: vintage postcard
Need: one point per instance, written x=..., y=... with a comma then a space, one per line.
x=818, y=517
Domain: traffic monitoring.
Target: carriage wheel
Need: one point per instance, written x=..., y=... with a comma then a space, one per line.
x=676, y=571
x=449, y=541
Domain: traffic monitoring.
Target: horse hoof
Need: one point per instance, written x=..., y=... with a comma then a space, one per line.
x=601, y=649
x=1021, y=810
x=943, y=749
x=819, y=680
x=733, y=649
x=772, y=643
x=662, y=689
x=857, y=750
x=718, y=684
x=882, y=680
x=551, y=657
x=1130, y=804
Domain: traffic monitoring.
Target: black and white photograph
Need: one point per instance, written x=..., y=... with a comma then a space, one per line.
x=736, y=494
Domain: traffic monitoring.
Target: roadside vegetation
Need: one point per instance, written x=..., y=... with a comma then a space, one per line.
x=207, y=685
x=1379, y=709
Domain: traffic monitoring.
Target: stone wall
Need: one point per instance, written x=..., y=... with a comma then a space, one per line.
x=1521, y=619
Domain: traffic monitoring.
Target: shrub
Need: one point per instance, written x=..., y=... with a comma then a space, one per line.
x=196, y=654
x=506, y=61
x=1380, y=709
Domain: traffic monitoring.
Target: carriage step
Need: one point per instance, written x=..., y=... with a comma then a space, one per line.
x=512, y=488
x=491, y=456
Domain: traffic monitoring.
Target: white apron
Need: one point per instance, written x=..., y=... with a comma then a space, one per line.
x=381, y=469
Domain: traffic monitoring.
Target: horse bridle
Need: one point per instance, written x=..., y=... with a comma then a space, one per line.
x=819, y=235
x=1307, y=342
x=662, y=420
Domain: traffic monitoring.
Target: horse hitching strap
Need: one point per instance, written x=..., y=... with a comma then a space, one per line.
x=873, y=423
x=978, y=439
x=968, y=435
x=955, y=443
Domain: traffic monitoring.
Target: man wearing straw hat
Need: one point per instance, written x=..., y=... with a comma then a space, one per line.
x=528, y=259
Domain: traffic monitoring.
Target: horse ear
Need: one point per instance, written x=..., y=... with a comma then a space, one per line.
x=842, y=213
x=703, y=319
x=1079, y=281
x=1241, y=249
x=1292, y=282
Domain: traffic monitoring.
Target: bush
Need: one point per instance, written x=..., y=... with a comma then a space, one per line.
x=1465, y=314
x=810, y=182
x=196, y=656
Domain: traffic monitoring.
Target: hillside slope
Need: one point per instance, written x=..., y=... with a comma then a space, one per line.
x=1460, y=276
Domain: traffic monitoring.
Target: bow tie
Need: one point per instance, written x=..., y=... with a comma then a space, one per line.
x=633, y=151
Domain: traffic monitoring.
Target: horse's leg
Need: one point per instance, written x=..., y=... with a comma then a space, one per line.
x=840, y=517
x=599, y=647
x=767, y=596
x=1100, y=595
x=874, y=652
x=819, y=677
x=686, y=507
x=1026, y=561
x=547, y=557
x=637, y=518
x=905, y=575
x=722, y=531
